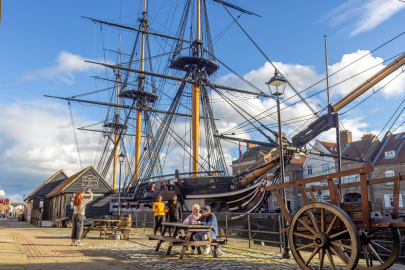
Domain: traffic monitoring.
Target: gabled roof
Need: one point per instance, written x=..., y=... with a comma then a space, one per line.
x=254, y=152
x=298, y=162
x=393, y=142
x=46, y=182
x=332, y=147
x=65, y=184
x=359, y=148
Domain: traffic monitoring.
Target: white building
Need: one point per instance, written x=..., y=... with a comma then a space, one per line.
x=316, y=165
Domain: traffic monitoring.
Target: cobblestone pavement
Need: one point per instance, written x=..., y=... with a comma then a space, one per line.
x=46, y=248
x=142, y=251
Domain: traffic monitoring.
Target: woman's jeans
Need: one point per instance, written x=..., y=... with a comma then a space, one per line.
x=77, y=227
x=158, y=223
x=198, y=237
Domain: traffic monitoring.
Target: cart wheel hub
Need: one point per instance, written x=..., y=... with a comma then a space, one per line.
x=321, y=240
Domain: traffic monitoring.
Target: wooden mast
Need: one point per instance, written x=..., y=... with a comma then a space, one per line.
x=117, y=116
x=196, y=102
x=138, y=134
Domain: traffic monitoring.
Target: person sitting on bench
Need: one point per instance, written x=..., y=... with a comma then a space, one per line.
x=191, y=219
x=209, y=219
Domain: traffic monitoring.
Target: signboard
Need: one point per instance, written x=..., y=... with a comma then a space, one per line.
x=89, y=181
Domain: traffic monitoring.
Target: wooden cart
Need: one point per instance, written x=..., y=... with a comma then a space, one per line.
x=344, y=233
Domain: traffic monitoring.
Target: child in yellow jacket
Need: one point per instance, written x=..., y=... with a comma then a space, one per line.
x=160, y=213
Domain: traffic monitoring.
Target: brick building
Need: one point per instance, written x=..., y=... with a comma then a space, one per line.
x=255, y=155
x=388, y=159
x=293, y=171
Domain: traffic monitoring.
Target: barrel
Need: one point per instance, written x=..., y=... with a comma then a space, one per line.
x=126, y=220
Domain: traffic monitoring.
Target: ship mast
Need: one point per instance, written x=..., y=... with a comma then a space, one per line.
x=141, y=83
x=196, y=99
x=117, y=115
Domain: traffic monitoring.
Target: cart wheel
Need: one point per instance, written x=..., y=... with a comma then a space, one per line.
x=319, y=228
x=381, y=248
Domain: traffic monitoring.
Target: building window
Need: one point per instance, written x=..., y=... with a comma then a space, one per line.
x=390, y=154
x=350, y=179
x=389, y=200
x=309, y=168
x=389, y=174
x=276, y=205
x=286, y=179
x=325, y=168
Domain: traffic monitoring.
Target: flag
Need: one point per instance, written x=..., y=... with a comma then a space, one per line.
x=240, y=153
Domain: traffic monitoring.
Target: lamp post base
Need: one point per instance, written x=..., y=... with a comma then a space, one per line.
x=286, y=254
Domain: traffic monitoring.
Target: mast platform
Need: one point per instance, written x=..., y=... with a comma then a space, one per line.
x=142, y=96
x=184, y=63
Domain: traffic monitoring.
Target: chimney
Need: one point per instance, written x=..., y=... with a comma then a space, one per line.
x=250, y=145
x=367, y=137
x=345, y=137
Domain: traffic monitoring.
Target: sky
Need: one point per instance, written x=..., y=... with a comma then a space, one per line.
x=43, y=46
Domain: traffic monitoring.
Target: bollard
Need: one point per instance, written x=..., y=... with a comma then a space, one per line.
x=250, y=236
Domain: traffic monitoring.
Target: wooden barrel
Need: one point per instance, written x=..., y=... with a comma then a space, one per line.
x=126, y=220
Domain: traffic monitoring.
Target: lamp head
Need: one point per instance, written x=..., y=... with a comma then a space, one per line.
x=277, y=84
x=121, y=157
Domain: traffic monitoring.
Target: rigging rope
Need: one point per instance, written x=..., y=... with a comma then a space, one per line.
x=74, y=132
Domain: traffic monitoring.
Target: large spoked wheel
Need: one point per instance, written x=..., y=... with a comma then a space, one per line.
x=322, y=228
x=381, y=248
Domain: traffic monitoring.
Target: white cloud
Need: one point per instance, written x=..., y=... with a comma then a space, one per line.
x=393, y=89
x=67, y=65
x=364, y=15
x=306, y=76
x=36, y=140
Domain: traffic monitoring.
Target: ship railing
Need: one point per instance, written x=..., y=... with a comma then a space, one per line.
x=256, y=228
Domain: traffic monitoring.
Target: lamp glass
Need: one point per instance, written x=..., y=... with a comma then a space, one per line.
x=277, y=84
x=121, y=157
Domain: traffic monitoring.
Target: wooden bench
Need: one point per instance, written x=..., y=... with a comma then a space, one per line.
x=184, y=240
x=104, y=229
x=59, y=223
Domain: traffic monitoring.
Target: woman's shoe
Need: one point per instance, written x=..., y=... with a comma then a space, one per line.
x=79, y=244
x=74, y=244
x=193, y=252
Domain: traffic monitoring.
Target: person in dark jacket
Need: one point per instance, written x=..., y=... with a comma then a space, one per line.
x=209, y=219
x=175, y=212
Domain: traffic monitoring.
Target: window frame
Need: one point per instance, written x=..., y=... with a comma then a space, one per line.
x=327, y=166
x=393, y=174
x=309, y=167
x=388, y=154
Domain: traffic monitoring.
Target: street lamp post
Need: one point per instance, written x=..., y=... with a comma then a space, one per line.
x=277, y=86
x=121, y=158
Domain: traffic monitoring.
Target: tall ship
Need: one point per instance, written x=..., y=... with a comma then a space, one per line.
x=161, y=112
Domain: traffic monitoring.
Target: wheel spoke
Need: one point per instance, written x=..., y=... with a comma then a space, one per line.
x=332, y=264
x=304, y=235
x=375, y=254
x=307, y=226
x=337, y=234
x=306, y=246
x=322, y=220
x=312, y=255
x=366, y=256
x=383, y=248
x=340, y=245
x=322, y=257
x=338, y=254
x=314, y=222
x=331, y=225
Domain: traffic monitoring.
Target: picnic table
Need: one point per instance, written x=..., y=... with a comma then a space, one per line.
x=182, y=239
x=103, y=228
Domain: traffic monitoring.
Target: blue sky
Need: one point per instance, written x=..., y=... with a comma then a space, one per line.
x=43, y=42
